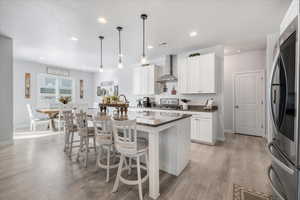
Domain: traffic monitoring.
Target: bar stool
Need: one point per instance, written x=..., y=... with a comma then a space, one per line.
x=104, y=139
x=85, y=134
x=69, y=129
x=130, y=146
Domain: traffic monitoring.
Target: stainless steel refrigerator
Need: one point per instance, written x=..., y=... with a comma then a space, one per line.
x=284, y=99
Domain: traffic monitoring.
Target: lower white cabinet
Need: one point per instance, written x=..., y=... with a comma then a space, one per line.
x=204, y=125
x=203, y=129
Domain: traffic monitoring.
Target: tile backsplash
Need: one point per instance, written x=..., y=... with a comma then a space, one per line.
x=195, y=99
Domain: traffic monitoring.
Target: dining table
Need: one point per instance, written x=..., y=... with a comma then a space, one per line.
x=52, y=114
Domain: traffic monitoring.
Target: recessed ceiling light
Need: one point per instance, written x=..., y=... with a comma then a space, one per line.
x=102, y=20
x=74, y=38
x=239, y=51
x=193, y=34
x=41, y=58
x=150, y=47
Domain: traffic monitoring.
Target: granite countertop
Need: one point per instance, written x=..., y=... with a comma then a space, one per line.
x=191, y=108
x=149, y=118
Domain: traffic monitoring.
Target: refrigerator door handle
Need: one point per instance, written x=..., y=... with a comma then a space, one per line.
x=278, y=162
x=281, y=196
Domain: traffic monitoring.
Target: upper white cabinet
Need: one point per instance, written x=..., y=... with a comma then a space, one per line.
x=144, y=80
x=197, y=74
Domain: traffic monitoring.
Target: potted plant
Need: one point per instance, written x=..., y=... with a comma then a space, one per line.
x=64, y=100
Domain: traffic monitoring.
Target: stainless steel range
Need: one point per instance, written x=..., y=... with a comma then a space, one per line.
x=169, y=103
x=284, y=97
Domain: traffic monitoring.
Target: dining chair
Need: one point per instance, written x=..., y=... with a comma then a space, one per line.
x=130, y=146
x=69, y=129
x=105, y=142
x=34, y=120
x=85, y=134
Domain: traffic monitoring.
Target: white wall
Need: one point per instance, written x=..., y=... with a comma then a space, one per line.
x=247, y=61
x=6, y=90
x=21, y=67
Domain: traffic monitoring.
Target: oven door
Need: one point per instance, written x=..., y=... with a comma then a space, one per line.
x=283, y=98
x=282, y=176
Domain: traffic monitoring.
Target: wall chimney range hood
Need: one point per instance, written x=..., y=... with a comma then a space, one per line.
x=169, y=77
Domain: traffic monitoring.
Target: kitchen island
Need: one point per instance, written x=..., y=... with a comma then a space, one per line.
x=169, y=143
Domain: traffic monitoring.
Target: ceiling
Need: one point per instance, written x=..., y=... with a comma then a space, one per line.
x=42, y=29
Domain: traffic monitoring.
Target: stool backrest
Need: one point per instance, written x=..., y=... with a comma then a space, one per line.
x=125, y=136
x=81, y=120
x=103, y=130
x=69, y=120
x=64, y=107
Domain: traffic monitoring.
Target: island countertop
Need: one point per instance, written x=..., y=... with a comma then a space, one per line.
x=191, y=109
x=150, y=118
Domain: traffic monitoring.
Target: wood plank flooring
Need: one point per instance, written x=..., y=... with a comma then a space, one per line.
x=37, y=169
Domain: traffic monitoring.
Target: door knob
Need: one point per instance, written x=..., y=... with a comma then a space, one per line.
x=236, y=106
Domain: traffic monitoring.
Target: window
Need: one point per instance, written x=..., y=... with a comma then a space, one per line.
x=51, y=88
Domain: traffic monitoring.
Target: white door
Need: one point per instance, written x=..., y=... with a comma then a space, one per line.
x=249, y=103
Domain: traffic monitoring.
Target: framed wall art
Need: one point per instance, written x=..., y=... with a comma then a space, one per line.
x=27, y=85
x=81, y=90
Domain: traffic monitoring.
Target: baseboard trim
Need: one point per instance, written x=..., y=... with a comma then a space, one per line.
x=228, y=131
x=222, y=139
x=6, y=142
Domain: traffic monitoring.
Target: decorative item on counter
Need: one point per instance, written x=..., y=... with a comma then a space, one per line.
x=185, y=106
x=139, y=103
x=209, y=104
x=173, y=92
x=165, y=88
x=64, y=100
x=114, y=99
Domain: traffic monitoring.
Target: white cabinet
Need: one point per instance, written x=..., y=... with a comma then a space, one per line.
x=203, y=129
x=197, y=74
x=204, y=125
x=144, y=80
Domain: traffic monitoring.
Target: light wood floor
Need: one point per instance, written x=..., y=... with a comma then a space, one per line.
x=37, y=169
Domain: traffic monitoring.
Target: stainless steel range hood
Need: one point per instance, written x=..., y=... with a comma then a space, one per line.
x=169, y=77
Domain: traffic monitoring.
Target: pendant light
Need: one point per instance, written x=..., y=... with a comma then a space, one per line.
x=101, y=64
x=120, y=63
x=144, y=58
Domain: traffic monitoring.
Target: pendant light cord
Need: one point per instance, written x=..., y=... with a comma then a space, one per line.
x=119, y=28
x=101, y=39
x=143, y=37
x=101, y=53
x=144, y=17
x=120, y=43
